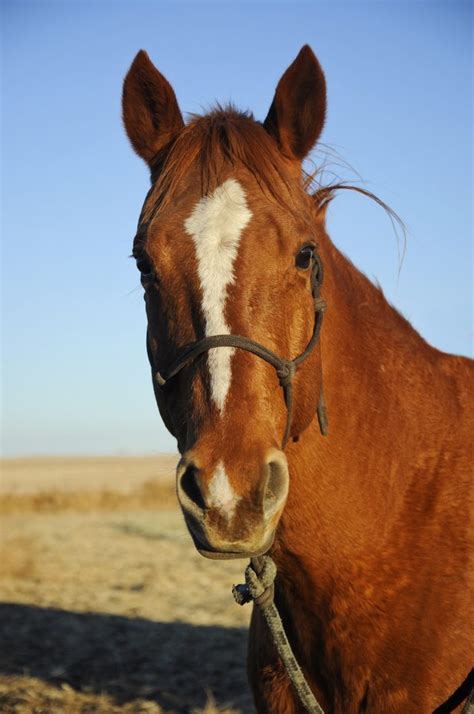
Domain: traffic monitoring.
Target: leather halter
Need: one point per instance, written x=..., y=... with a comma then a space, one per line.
x=285, y=369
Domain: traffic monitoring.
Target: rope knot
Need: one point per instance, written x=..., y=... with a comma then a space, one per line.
x=258, y=586
x=320, y=305
x=286, y=372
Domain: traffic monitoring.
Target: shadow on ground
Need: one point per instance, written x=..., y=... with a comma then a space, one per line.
x=174, y=664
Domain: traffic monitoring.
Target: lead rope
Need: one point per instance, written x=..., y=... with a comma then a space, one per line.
x=259, y=586
x=469, y=705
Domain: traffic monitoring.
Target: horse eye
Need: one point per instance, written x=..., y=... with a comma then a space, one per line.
x=144, y=266
x=304, y=257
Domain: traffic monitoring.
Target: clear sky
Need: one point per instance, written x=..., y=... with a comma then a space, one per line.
x=399, y=74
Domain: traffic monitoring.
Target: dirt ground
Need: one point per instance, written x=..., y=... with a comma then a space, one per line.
x=105, y=606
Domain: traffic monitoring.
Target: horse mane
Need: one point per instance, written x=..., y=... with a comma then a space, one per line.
x=323, y=195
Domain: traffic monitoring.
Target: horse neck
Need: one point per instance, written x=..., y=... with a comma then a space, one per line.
x=348, y=488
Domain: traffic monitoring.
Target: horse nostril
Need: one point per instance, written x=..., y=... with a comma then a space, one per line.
x=190, y=485
x=276, y=486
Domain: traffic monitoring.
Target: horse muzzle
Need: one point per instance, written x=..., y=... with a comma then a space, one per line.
x=231, y=517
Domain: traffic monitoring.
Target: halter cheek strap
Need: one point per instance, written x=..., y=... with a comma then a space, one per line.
x=285, y=369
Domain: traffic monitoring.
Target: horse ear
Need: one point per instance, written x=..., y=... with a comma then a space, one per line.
x=296, y=116
x=150, y=111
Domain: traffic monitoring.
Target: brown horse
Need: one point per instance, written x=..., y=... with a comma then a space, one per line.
x=368, y=525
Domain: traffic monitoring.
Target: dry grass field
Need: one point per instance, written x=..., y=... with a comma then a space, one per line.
x=105, y=606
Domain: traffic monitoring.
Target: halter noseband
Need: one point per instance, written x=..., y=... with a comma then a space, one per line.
x=285, y=369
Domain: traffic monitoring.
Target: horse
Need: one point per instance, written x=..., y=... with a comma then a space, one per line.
x=368, y=524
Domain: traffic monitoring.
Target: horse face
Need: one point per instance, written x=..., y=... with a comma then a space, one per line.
x=229, y=233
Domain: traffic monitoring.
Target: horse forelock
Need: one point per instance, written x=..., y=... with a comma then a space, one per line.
x=211, y=144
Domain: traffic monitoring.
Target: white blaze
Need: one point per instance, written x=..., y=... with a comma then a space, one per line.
x=220, y=492
x=216, y=225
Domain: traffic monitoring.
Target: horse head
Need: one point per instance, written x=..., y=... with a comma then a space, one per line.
x=227, y=245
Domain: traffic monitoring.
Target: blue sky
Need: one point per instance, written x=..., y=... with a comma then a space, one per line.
x=399, y=76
